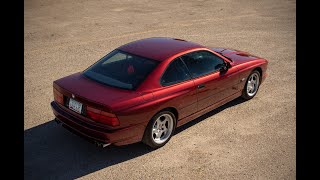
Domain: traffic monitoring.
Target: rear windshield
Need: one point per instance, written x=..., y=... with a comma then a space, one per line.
x=121, y=69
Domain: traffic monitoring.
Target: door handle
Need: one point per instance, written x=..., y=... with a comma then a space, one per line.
x=200, y=86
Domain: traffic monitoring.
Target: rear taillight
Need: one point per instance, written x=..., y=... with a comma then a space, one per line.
x=102, y=116
x=58, y=97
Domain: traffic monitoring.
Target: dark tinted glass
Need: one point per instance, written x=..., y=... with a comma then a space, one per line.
x=202, y=62
x=121, y=69
x=175, y=73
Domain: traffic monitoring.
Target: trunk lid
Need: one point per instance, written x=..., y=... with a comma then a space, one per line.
x=93, y=93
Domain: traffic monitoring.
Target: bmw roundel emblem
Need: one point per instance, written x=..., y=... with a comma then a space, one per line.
x=72, y=95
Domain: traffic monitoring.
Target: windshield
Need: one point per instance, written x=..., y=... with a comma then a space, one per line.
x=121, y=69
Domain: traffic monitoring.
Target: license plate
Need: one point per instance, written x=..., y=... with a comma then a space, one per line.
x=75, y=106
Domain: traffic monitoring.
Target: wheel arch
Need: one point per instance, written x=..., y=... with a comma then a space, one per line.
x=259, y=69
x=171, y=109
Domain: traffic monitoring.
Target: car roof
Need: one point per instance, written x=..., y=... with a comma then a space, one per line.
x=158, y=48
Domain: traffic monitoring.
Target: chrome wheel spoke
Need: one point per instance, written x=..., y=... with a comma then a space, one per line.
x=158, y=123
x=164, y=123
x=158, y=134
x=164, y=128
x=154, y=130
x=165, y=131
x=249, y=86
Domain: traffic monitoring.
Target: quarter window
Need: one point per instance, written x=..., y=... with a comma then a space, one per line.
x=175, y=73
x=202, y=62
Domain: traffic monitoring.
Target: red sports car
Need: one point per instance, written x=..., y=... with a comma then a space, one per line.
x=143, y=90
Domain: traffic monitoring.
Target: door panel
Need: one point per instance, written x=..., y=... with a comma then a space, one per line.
x=218, y=86
x=212, y=84
x=179, y=88
x=182, y=96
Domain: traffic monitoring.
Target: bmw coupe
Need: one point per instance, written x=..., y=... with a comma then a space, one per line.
x=144, y=90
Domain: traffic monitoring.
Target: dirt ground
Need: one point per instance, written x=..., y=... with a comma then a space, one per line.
x=254, y=139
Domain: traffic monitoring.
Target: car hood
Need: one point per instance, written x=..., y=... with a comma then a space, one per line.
x=91, y=92
x=236, y=56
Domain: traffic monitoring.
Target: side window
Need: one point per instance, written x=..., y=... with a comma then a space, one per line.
x=175, y=73
x=202, y=62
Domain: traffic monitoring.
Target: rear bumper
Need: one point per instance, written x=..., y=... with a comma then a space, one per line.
x=81, y=126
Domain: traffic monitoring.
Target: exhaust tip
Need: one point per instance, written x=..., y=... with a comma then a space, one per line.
x=101, y=145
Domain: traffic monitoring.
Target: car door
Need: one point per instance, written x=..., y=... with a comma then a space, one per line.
x=178, y=84
x=212, y=84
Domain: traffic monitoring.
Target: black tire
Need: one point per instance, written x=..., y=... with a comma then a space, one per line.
x=245, y=94
x=148, y=138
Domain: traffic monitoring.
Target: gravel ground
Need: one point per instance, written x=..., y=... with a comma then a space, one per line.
x=254, y=139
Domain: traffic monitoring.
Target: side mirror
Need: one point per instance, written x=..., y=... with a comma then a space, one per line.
x=225, y=66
